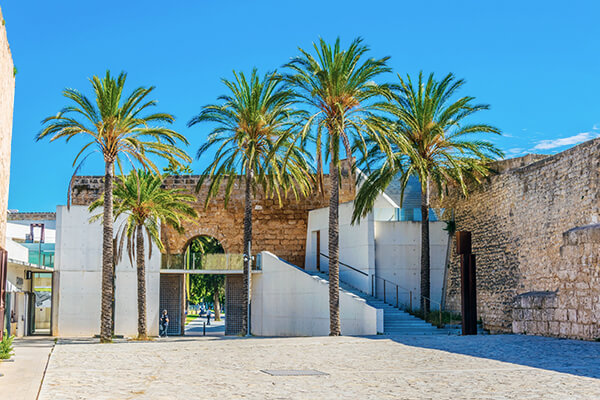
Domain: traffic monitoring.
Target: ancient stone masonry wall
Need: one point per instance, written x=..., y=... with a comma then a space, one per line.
x=574, y=309
x=278, y=229
x=34, y=216
x=7, y=94
x=517, y=221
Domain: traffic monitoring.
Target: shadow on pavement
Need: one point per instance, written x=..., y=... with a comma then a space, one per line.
x=575, y=357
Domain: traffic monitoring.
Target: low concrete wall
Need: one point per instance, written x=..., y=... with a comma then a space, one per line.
x=77, y=279
x=287, y=301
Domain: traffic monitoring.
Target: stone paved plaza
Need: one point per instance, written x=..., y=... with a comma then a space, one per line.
x=426, y=367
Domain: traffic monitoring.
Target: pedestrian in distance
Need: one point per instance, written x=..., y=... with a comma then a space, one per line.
x=208, y=317
x=164, y=324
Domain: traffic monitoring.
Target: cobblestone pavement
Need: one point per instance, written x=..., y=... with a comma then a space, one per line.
x=433, y=367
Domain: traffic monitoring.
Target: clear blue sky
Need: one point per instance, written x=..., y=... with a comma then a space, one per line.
x=537, y=63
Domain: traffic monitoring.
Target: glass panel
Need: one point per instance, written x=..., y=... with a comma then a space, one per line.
x=405, y=214
x=209, y=262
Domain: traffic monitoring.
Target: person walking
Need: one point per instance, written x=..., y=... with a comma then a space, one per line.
x=208, y=317
x=164, y=324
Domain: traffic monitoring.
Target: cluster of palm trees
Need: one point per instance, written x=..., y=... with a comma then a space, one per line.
x=265, y=131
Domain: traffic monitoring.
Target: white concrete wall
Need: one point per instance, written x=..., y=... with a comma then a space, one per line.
x=77, y=280
x=357, y=245
x=15, y=274
x=16, y=251
x=19, y=230
x=287, y=301
x=398, y=259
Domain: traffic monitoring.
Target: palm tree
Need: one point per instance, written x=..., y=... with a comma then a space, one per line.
x=255, y=136
x=433, y=142
x=145, y=204
x=115, y=129
x=337, y=88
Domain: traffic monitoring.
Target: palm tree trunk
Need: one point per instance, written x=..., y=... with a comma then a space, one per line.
x=217, y=303
x=425, y=261
x=107, y=257
x=334, y=272
x=247, y=239
x=141, y=283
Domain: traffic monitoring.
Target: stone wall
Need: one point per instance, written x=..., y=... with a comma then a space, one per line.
x=574, y=310
x=7, y=95
x=517, y=220
x=278, y=229
x=31, y=216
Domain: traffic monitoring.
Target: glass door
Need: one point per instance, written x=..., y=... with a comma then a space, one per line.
x=41, y=316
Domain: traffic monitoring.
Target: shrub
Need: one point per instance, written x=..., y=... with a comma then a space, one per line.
x=6, y=346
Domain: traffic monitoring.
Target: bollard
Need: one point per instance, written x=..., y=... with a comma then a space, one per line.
x=204, y=329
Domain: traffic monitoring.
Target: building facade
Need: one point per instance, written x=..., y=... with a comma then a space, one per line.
x=7, y=95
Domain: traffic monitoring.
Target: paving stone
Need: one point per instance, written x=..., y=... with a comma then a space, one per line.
x=423, y=367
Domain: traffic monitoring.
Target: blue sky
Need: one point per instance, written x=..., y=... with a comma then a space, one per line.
x=537, y=63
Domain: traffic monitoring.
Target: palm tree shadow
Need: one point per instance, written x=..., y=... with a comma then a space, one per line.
x=575, y=357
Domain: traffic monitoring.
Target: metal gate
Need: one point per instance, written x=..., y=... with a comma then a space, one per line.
x=171, y=299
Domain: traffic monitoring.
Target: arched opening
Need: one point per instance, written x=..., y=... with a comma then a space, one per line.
x=199, y=285
x=205, y=293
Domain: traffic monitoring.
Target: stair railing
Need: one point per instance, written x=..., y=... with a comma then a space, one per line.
x=386, y=283
x=397, y=288
x=351, y=268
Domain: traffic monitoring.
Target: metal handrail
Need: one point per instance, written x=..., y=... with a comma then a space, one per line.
x=347, y=266
x=398, y=287
x=373, y=289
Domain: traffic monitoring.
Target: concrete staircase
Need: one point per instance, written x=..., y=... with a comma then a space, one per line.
x=395, y=320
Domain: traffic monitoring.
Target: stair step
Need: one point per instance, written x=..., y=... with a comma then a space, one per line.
x=395, y=320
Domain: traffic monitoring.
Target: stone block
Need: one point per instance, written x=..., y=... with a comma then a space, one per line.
x=553, y=328
x=518, y=326
x=565, y=329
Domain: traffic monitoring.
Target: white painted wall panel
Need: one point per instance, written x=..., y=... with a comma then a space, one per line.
x=78, y=265
x=287, y=301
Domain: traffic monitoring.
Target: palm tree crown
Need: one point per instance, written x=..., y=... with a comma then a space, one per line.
x=116, y=128
x=430, y=140
x=146, y=204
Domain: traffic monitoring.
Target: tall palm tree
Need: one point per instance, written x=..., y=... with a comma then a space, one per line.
x=336, y=86
x=145, y=204
x=254, y=132
x=116, y=128
x=434, y=142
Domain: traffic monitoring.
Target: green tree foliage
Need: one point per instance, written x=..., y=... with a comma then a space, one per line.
x=173, y=169
x=6, y=346
x=206, y=288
